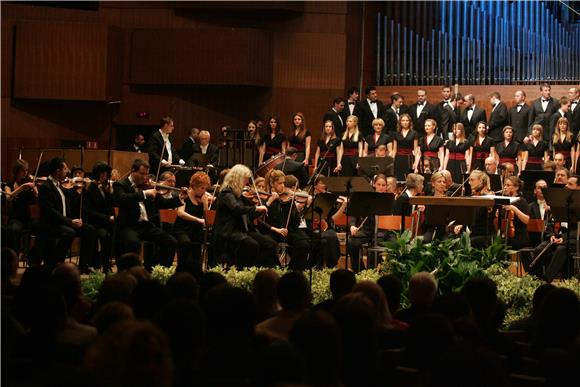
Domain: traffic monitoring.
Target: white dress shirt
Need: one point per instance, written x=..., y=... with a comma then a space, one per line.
x=62, y=197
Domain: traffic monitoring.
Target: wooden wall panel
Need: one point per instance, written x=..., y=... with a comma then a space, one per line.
x=201, y=56
x=312, y=61
x=7, y=58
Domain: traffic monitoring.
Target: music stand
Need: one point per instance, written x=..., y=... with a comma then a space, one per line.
x=371, y=166
x=360, y=184
x=495, y=183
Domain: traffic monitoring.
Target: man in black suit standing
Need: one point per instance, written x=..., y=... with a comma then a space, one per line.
x=562, y=112
x=520, y=116
x=292, y=167
x=60, y=223
x=334, y=115
x=471, y=115
x=352, y=107
x=204, y=152
x=446, y=113
x=392, y=114
x=574, y=97
x=371, y=108
x=421, y=111
x=498, y=118
x=543, y=108
x=155, y=146
x=187, y=148
x=137, y=208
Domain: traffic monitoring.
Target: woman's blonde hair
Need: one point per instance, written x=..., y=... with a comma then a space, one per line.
x=481, y=176
x=556, y=136
x=272, y=176
x=234, y=179
x=410, y=122
x=356, y=130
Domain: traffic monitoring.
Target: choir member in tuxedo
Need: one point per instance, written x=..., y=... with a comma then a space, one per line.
x=328, y=151
x=537, y=150
x=421, y=111
x=392, y=114
x=352, y=148
x=204, y=152
x=471, y=115
x=498, y=118
x=509, y=150
x=335, y=115
x=99, y=210
x=574, y=97
x=415, y=184
x=300, y=138
x=371, y=108
x=155, y=146
x=138, y=207
x=543, y=108
x=291, y=166
x=564, y=143
x=58, y=221
x=233, y=241
x=481, y=147
x=539, y=209
x=138, y=144
x=520, y=116
x=431, y=145
x=274, y=141
x=378, y=137
x=446, y=113
x=406, y=148
x=352, y=106
x=562, y=112
x=186, y=150
x=512, y=187
x=457, y=153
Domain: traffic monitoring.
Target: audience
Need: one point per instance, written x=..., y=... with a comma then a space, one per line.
x=422, y=291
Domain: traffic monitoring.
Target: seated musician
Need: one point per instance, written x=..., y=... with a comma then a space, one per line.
x=155, y=146
x=168, y=179
x=283, y=220
x=519, y=211
x=292, y=167
x=392, y=185
x=100, y=212
x=233, y=242
x=414, y=184
x=138, y=207
x=363, y=230
x=381, y=151
x=562, y=175
x=60, y=223
x=204, y=153
x=554, y=258
x=452, y=187
x=439, y=187
x=539, y=209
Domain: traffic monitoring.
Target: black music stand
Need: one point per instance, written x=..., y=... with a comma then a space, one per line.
x=321, y=205
x=531, y=177
x=443, y=215
x=371, y=166
x=427, y=186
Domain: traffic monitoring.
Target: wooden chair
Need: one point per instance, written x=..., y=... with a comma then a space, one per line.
x=167, y=215
x=534, y=226
x=386, y=223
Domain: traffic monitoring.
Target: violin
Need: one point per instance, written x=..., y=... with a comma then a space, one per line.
x=151, y=184
x=507, y=223
x=75, y=182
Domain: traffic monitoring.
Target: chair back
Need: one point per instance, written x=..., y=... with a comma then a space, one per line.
x=34, y=211
x=167, y=215
x=210, y=217
x=393, y=222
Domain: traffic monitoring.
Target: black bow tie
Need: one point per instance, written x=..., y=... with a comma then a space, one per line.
x=468, y=109
x=574, y=102
x=545, y=100
x=420, y=103
x=493, y=105
x=351, y=103
x=373, y=101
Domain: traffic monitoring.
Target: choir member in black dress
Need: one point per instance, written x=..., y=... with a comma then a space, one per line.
x=509, y=150
x=457, y=153
x=378, y=137
x=274, y=141
x=352, y=148
x=252, y=146
x=300, y=139
x=519, y=212
x=431, y=145
x=481, y=147
x=328, y=151
x=406, y=148
x=537, y=150
x=563, y=142
x=233, y=244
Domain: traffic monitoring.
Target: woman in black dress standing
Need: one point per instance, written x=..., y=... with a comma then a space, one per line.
x=300, y=139
x=563, y=142
x=379, y=137
x=509, y=150
x=405, y=147
x=481, y=147
x=432, y=145
x=457, y=153
x=274, y=141
x=328, y=150
x=252, y=145
x=352, y=148
x=537, y=150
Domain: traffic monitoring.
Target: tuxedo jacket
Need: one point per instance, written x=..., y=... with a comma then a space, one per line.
x=293, y=167
x=429, y=111
x=337, y=120
x=211, y=155
x=539, y=116
x=154, y=147
x=128, y=199
x=575, y=120
x=365, y=121
x=469, y=125
x=554, y=122
x=498, y=119
x=391, y=119
x=50, y=203
x=346, y=111
x=521, y=122
x=401, y=206
x=98, y=207
x=447, y=116
x=186, y=150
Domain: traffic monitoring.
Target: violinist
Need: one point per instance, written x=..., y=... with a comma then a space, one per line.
x=59, y=223
x=452, y=187
x=99, y=210
x=138, y=208
x=415, y=185
x=232, y=240
x=517, y=215
x=392, y=185
x=481, y=147
x=167, y=179
x=539, y=209
x=328, y=150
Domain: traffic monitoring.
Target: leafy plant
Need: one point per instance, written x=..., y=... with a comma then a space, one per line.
x=91, y=285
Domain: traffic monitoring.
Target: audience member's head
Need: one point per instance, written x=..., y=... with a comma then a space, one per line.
x=393, y=288
x=422, y=289
x=209, y=280
x=112, y=313
x=341, y=282
x=116, y=288
x=127, y=261
x=148, y=298
x=182, y=285
x=481, y=293
x=265, y=291
x=374, y=293
x=67, y=278
x=9, y=265
x=559, y=319
x=294, y=292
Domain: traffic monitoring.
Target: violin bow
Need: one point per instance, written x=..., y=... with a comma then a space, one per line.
x=38, y=165
x=291, y=205
x=160, y=160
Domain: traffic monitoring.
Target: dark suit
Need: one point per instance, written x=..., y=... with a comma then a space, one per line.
x=346, y=111
x=365, y=121
x=429, y=111
x=187, y=149
x=337, y=120
x=535, y=238
x=211, y=155
x=401, y=206
x=575, y=119
x=132, y=231
x=498, y=119
x=154, y=147
x=59, y=228
x=295, y=168
x=539, y=116
x=554, y=121
x=98, y=207
x=469, y=125
x=391, y=118
x=521, y=121
x=446, y=119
